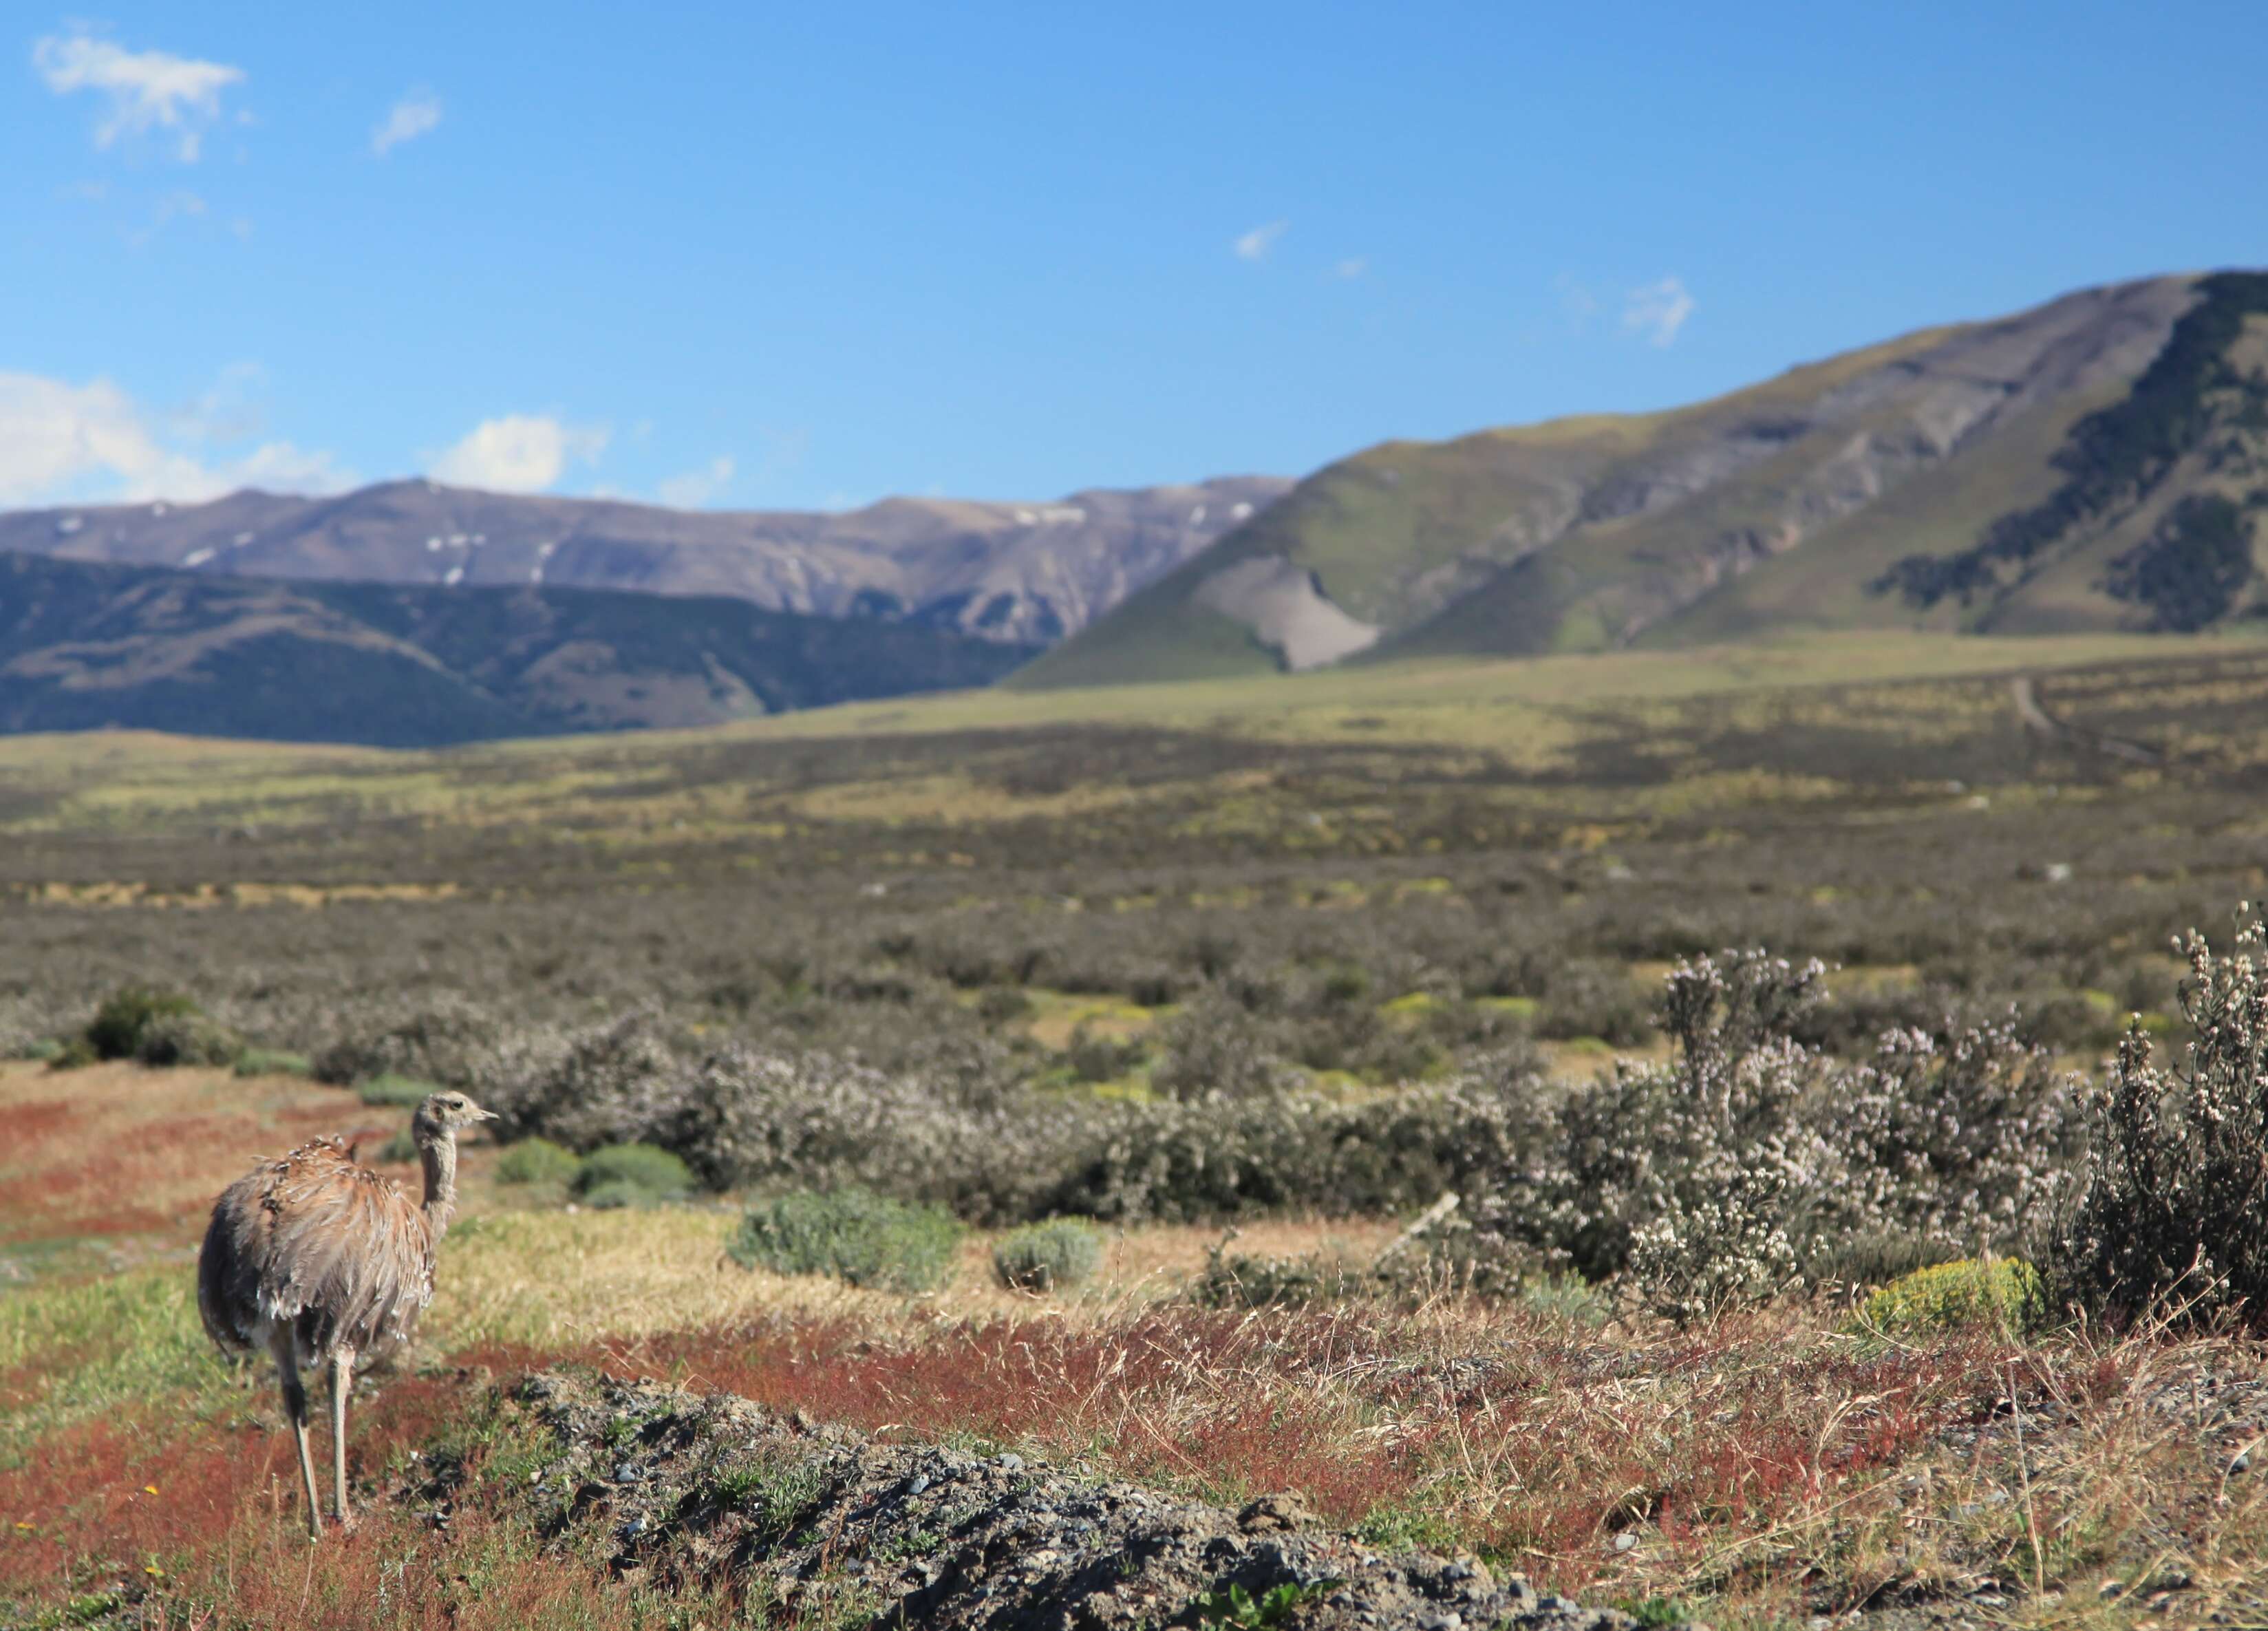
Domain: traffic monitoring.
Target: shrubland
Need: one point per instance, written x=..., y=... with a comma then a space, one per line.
x=1822, y=1090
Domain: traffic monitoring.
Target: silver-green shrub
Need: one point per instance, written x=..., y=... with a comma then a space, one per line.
x=2170, y=1212
x=538, y=1161
x=1048, y=1256
x=659, y=1174
x=855, y=1235
x=1752, y=1161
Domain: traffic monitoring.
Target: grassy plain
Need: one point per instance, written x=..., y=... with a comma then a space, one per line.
x=1370, y=879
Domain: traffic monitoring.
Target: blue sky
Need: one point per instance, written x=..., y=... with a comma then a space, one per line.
x=807, y=256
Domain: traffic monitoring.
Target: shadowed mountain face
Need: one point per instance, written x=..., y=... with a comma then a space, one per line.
x=1024, y=574
x=2099, y=462
x=85, y=646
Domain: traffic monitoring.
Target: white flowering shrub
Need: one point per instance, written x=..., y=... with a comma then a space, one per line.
x=1753, y=1161
x=1960, y=1146
x=1703, y=1255
x=2170, y=1212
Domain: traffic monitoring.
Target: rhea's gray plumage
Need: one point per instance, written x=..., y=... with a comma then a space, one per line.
x=319, y=1260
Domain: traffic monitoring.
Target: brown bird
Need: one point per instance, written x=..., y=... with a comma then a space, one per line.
x=317, y=1260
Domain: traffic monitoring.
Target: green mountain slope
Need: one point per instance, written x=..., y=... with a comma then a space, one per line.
x=2093, y=463
x=85, y=646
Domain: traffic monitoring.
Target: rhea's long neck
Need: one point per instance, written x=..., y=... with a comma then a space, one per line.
x=439, y=1155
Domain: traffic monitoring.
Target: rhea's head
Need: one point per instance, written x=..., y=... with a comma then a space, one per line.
x=443, y=1114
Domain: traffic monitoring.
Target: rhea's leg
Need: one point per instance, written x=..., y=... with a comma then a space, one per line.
x=342, y=1384
x=295, y=1406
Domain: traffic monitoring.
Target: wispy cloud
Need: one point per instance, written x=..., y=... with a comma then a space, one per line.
x=143, y=90
x=61, y=443
x=1658, y=311
x=519, y=453
x=695, y=488
x=1256, y=244
x=411, y=117
x=179, y=204
x=1577, y=304
x=1352, y=266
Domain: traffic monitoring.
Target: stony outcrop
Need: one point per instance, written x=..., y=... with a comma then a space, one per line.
x=813, y=1521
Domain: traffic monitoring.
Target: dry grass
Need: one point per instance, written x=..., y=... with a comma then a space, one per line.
x=1761, y=1471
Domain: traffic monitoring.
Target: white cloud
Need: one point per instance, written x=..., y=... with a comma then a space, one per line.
x=695, y=488
x=280, y=467
x=1658, y=311
x=406, y=121
x=519, y=453
x=1256, y=244
x=144, y=91
x=1353, y=266
x=61, y=443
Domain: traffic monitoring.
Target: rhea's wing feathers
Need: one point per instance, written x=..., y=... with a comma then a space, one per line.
x=228, y=1290
x=317, y=1243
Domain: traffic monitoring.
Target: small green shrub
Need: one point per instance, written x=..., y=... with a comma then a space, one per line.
x=401, y=1092
x=1234, y=1608
x=1238, y=1281
x=1047, y=1257
x=617, y=1194
x=538, y=1161
x=1567, y=1297
x=1000, y=1004
x=853, y=1234
x=400, y=1148
x=1103, y=1058
x=44, y=1050
x=270, y=1062
x=74, y=1053
x=117, y=1031
x=2005, y=1291
x=191, y=1038
x=654, y=1172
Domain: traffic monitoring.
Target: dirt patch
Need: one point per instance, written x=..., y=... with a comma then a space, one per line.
x=832, y=1527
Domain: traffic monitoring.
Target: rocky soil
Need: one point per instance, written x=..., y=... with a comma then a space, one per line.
x=823, y=1525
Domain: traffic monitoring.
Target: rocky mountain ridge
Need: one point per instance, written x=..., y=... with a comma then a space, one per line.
x=1816, y=500
x=1020, y=573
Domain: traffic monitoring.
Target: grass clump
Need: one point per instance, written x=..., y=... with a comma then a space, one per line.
x=271, y=1062
x=72, y=1053
x=654, y=1173
x=538, y=1161
x=401, y=1092
x=855, y=1235
x=1241, y=1281
x=618, y=1195
x=2003, y=1291
x=1047, y=1257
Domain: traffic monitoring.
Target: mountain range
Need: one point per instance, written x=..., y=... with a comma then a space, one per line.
x=87, y=643
x=1022, y=573
x=2098, y=463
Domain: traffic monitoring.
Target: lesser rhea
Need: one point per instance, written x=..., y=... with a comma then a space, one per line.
x=317, y=1259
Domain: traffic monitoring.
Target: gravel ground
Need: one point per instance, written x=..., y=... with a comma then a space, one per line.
x=831, y=1528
